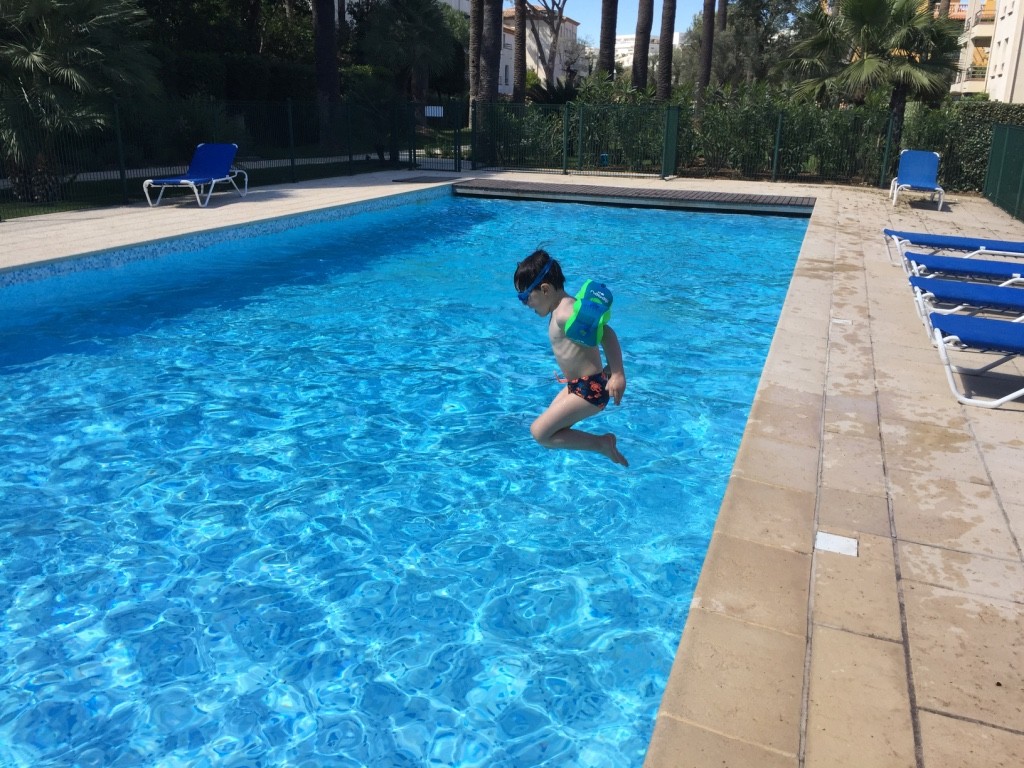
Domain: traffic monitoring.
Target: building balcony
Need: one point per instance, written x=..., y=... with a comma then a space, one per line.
x=978, y=28
x=956, y=12
x=970, y=80
x=968, y=86
x=978, y=36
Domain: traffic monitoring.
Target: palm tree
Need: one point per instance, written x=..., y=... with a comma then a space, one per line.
x=63, y=63
x=898, y=46
x=606, y=46
x=490, y=50
x=325, y=55
x=644, y=22
x=720, y=18
x=476, y=20
x=707, y=48
x=519, y=55
x=665, y=46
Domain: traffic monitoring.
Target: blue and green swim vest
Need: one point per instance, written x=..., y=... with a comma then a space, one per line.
x=591, y=311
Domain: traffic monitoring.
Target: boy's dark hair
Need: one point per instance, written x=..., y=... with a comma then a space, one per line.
x=531, y=266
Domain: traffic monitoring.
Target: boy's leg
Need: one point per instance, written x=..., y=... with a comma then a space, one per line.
x=552, y=429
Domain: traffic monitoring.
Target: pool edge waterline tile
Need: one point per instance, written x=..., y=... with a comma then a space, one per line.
x=154, y=249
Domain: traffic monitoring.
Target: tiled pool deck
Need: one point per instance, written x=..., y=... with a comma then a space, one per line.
x=910, y=653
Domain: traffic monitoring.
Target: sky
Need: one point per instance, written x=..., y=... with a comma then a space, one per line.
x=588, y=14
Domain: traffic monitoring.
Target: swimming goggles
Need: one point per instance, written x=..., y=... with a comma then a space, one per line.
x=524, y=296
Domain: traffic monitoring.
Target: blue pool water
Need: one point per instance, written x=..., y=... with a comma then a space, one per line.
x=275, y=502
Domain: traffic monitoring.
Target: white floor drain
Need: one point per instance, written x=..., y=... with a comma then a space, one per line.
x=830, y=542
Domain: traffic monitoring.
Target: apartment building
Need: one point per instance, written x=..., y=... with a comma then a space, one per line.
x=992, y=45
x=567, y=60
x=626, y=44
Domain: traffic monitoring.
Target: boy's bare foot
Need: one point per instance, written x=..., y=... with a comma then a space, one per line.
x=608, y=449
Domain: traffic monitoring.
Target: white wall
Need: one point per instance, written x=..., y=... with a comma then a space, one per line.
x=1003, y=79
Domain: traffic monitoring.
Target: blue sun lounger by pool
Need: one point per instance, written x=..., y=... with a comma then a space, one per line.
x=918, y=171
x=1003, y=272
x=978, y=334
x=211, y=164
x=971, y=246
x=944, y=297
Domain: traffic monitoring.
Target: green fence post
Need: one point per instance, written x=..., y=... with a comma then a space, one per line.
x=394, y=139
x=348, y=138
x=457, y=134
x=775, y=152
x=291, y=139
x=669, y=148
x=579, y=142
x=120, y=154
x=411, y=113
x=885, y=155
x=565, y=139
x=473, y=117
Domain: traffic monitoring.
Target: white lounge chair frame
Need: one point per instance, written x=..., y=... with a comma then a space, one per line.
x=199, y=190
x=944, y=344
x=211, y=164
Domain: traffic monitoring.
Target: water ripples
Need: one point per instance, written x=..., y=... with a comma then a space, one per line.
x=275, y=507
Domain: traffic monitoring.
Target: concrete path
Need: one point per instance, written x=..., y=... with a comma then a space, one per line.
x=909, y=653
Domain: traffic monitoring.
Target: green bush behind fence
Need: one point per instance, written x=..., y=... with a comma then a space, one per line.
x=750, y=134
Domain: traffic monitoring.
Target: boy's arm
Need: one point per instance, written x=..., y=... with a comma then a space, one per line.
x=613, y=354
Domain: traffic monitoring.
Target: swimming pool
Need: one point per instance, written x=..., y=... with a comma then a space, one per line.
x=275, y=501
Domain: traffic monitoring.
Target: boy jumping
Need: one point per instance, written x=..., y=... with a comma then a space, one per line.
x=575, y=328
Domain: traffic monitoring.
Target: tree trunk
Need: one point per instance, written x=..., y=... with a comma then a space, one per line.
x=325, y=65
x=641, y=50
x=252, y=20
x=550, y=14
x=490, y=50
x=665, y=47
x=519, y=55
x=897, y=108
x=722, y=11
x=943, y=9
x=325, y=50
x=606, y=49
x=707, y=44
x=476, y=20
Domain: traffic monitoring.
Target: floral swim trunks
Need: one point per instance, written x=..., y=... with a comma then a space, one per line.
x=591, y=388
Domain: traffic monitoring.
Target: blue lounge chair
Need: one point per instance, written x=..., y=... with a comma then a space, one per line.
x=978, y=334
x=918, y=171
x=944, y=297
x=972, y=246
x=1003, y=272
x=210, y=165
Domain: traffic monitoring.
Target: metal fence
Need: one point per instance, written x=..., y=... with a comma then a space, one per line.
x=569, y=138
x=773, y=144
x=46, y=169
x=51, y=169
x=1004, y=182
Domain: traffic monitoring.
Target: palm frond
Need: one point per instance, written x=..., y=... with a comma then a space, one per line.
x=878, y=45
